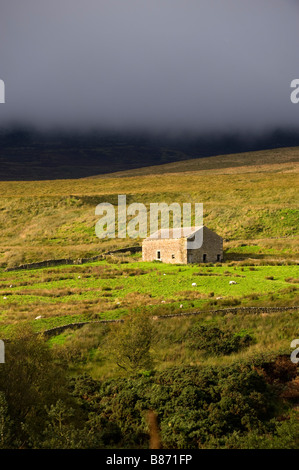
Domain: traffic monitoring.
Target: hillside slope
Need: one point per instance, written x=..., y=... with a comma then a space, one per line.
x=26, y=154
x=264, y=160
x=254, y=205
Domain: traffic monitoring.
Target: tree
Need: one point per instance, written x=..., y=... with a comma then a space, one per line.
x=130, y=343
x=29, y=380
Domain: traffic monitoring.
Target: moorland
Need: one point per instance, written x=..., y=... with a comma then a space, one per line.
x=224, y=366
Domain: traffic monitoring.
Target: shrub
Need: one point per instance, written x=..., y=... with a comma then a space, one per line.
x=214, y=341
x=193, y=405
x=279, y=370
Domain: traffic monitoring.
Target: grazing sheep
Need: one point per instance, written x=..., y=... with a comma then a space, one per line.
x=193, y=283
x=232, y=282
x=37, y=318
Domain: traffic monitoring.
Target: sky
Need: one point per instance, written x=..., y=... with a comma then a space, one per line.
x=173, y=65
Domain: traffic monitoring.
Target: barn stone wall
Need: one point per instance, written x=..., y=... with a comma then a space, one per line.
x=168, y=248
x=212, y=246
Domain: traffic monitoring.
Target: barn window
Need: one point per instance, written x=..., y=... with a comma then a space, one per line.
x=158, y=254
x=204, y=258
x=218, y=257
x=173, y=256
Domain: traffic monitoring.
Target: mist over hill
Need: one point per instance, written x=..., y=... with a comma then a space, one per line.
x=108, y=85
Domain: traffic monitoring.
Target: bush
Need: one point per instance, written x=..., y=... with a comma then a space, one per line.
x=214, y=341
x=194, y=405
x=279, y=370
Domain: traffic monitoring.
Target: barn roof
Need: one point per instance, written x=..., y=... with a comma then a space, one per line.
x=184, y=232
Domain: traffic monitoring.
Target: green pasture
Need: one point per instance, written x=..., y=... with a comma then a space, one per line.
x=104, y=290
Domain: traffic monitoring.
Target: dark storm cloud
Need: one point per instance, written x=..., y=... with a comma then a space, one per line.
x=157, y=64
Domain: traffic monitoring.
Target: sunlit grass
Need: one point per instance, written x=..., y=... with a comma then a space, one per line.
x=100, y=290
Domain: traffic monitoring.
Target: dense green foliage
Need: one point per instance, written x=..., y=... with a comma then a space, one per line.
x=196, y=406
x=214, y=341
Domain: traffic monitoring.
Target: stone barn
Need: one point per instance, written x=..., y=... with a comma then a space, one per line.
x=177, y=246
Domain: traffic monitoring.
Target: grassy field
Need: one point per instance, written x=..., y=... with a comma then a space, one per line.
x=106, y=290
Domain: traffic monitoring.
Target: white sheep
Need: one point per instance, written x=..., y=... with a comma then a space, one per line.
x=193, y=283
x=232, y=282
x=38, y=318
